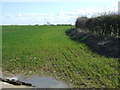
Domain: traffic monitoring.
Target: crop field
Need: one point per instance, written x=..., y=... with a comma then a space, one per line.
x=47, y=50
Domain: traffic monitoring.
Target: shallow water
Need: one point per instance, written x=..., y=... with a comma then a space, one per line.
x=41, y=82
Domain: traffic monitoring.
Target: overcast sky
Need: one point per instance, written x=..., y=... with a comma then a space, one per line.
x=55, y=11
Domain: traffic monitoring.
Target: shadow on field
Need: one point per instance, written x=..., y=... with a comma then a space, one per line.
x=104, y=45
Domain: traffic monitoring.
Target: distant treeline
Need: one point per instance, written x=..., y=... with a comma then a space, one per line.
x=64, y=24
x=105, y=24
x=55, y=25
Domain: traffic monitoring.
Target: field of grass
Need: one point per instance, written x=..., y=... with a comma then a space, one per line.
x=47, y=50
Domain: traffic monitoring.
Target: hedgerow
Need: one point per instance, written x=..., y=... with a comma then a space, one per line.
x=105, y=24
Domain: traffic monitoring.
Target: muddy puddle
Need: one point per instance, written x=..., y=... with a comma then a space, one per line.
x=40, y=82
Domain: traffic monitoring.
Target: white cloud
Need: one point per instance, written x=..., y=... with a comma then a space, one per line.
x=19, y=15
x=61, y=7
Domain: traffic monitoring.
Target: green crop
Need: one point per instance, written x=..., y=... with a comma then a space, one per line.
x=47, y=50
